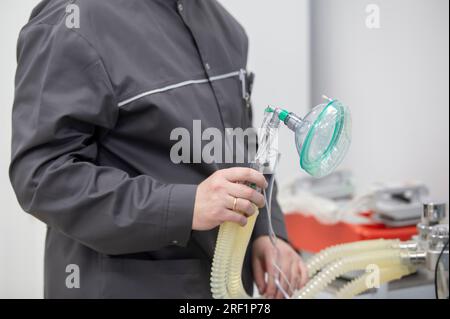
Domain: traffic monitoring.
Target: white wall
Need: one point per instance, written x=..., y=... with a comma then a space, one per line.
x=395, y=79
x=279, y=56
x=21, y=237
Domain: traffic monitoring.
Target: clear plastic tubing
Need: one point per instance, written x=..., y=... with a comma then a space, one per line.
x=359, y=285
x=333, y=253
x=382, y=258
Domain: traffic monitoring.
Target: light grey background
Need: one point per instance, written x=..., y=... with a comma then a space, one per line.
x=395, y=79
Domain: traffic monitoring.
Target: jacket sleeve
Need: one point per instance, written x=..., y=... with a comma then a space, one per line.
x=63, y=101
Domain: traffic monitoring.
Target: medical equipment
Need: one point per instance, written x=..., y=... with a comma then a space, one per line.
x=398, y=206
x=391, y=259
x=322, y=139
x=433, y=214
x=320, y=152
x=330, y=200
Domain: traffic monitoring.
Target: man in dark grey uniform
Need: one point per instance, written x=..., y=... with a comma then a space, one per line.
x=92, y=118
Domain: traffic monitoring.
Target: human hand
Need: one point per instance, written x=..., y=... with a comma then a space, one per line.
x=223, y=195
x=264, y=253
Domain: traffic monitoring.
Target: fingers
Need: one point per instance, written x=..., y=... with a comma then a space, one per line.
x=271, y=288
x=231, y=216
x=245, y=192
x=299, y=274
x=304, y=275
x=242, y=205
x=285, y=279
x=295, y=275
x=244, y=174
x=258, y=273
x=292, y=272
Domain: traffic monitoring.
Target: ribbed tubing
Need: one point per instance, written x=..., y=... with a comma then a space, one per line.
x=383, y=259
x=326, y=256
x=229, y=254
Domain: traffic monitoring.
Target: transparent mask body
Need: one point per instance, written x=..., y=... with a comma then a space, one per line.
x=322, y=137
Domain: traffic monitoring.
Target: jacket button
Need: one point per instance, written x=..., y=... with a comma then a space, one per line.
x=180, y=7
x=207, y=66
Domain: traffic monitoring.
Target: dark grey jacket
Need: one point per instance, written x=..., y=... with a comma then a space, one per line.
x=92, y=117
